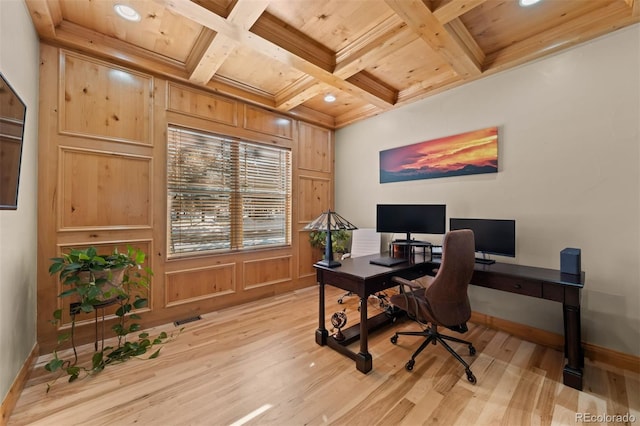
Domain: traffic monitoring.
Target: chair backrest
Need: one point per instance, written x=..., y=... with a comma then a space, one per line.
x=365, y=241
x=447, y=295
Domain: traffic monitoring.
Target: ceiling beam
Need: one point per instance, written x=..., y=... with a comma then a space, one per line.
x=371, y=84
x=463, y=37
x=454, y=9
x=205, y=60
x=196, y=63
x=418, y=16
x=285, y=37
x=299, y=92
x=389, y=36
x=207, y=57
x=286, y=50
x=635, y=7
x=46, y=16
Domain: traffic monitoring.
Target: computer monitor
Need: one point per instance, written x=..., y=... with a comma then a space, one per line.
x=492, y=236
x=411, y=218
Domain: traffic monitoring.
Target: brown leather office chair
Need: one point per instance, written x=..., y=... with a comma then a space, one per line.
x=441, y=300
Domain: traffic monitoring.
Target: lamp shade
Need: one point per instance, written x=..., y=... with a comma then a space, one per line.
x=329, y=221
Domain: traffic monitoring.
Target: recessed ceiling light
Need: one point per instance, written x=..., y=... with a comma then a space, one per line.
x=525, y=3
x=127, y=12
x=329, y=98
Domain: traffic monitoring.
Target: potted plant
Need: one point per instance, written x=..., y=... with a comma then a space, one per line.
x=94, y=281
x=92, y=278
x=339, y=241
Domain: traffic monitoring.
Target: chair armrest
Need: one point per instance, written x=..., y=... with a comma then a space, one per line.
x=410, y=290
x=411, y=284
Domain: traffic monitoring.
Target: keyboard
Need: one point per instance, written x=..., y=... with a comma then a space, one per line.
x=387, y=261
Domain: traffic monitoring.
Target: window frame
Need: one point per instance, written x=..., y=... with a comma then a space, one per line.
x=236, y=241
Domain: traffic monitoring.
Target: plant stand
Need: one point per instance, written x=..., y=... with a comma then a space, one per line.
x=74, y=309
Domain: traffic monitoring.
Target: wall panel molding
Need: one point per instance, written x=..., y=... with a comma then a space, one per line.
x=99, y=100
x=196, y=103
x=267, y=122
x=268, y=271
x=190, y=285
x=314, y=197
x=101, y=190
x=315, y=148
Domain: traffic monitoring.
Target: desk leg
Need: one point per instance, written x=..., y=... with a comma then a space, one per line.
x=572, y=372
x=363, y=358
x=321, y=332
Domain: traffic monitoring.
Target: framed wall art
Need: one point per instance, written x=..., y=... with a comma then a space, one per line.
x=463, y=154
x=12, y=116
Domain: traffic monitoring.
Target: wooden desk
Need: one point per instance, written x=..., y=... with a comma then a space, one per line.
x=548, y=284
x=363, y=279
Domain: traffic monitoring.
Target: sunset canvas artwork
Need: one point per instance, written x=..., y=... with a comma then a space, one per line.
x=463, y=154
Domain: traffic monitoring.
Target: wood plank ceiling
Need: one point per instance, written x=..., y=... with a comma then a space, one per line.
x=286, y=55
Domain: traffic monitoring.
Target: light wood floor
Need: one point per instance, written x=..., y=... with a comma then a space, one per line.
x=261, y=360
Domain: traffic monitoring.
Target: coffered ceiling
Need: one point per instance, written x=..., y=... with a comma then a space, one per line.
x=287, y=55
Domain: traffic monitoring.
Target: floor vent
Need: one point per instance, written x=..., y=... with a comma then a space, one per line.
x=186, y=320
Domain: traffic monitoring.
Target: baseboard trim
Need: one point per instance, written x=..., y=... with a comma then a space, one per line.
x=556, y=341
x=9, y=402
x=522, y=331
x=611, y=357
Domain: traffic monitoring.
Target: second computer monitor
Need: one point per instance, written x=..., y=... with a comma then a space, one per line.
x=492, y=236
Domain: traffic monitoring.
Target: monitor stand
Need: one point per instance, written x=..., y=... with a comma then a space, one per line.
x=409, y=242
x=406, y=248
x=484, y=261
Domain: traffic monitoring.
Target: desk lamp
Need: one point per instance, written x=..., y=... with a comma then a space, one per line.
x=329, y=221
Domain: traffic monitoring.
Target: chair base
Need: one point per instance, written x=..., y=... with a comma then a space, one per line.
x=432, y=336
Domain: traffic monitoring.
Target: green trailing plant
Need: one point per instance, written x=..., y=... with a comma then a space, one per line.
x=339, y=240
x=93, y=281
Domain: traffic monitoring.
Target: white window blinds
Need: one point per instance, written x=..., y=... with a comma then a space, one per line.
x=226, y=194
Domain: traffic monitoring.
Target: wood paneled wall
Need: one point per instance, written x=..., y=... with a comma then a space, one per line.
x=102, y=182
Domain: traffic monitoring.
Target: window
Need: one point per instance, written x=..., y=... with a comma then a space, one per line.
x=226, y=194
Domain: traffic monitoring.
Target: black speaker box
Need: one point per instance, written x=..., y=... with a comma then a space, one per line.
x=570, y=261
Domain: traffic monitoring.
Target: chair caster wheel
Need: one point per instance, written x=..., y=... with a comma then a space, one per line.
x=470, y=377
x=340, y=302
x=472, y=350
x=409, y=365
x=394, y=339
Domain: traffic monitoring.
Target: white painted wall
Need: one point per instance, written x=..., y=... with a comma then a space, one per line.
x=569, y=163
x=19, y=63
